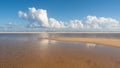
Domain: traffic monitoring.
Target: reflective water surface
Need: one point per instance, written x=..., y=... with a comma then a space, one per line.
x=32, y=51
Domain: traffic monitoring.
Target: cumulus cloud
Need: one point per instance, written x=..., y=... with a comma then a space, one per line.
x=34, y=15
x=101, y=22
x=75, y=24
x=22, y=15
x=38, y=18
x=56, y=24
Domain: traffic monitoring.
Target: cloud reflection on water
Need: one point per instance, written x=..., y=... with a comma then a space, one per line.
x=89, y=45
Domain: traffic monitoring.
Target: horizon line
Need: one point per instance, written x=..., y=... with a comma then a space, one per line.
x=50, y=32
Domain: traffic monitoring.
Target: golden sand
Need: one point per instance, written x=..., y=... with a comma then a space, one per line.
x=104, y=41
x=34, y=56
x=43, y=54
x=38, y=55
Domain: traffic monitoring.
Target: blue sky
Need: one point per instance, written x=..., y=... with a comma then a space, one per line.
x=61, y=10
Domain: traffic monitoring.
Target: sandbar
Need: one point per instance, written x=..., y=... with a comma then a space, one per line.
x=104, y=41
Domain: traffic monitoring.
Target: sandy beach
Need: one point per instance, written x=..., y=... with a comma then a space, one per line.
x=59, y=50
x=104, y=41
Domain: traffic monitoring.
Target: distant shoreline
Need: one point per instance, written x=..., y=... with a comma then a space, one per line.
x=50, y=32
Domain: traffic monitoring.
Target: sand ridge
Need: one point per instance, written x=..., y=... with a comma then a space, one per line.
x=104, y=41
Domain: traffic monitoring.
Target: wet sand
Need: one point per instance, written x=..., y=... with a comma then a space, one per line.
x=30, y=51
x=104, y=41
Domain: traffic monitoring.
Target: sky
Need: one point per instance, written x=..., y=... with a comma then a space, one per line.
x=41, y=15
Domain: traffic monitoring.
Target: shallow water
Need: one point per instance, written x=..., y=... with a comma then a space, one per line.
x=32, y=51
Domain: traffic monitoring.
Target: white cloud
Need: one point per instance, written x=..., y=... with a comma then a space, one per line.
x=22, y=15
x=75, y=24
x=39, y=15
x=39, y=18
x=101, y=22
x=56, y=24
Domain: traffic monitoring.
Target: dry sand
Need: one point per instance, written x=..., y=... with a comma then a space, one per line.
x=104, y=41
